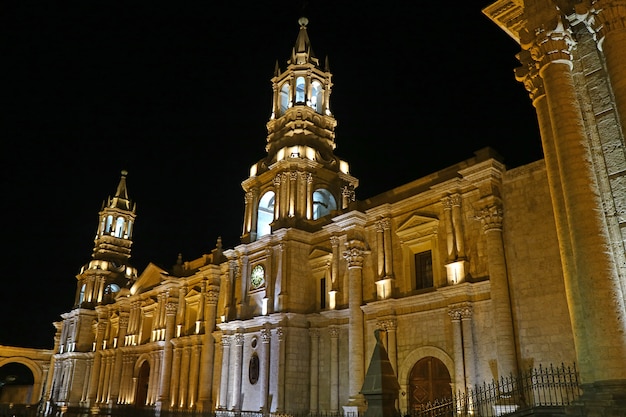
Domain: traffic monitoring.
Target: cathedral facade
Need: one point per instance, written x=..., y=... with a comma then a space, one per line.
x=470, y=274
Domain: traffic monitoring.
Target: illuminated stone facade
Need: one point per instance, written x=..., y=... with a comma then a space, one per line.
x=476, y=271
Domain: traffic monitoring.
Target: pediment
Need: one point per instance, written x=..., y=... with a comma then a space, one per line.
x=318, y=252
x=417, y=225
x=192, y=293
x=149, y=278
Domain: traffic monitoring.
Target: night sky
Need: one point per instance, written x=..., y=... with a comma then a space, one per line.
x=178, y=94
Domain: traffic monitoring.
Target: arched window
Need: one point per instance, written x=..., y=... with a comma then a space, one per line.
x=119, y=227
x=300, y=96
x=323, y=203
x=265, y=214
x=107, y=228
x=284, y=98
x=317, y=96
x=81, y=296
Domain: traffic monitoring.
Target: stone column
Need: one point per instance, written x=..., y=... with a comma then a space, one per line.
x=386, y=224
x=380, y=250
x=266, y=338
x=314, y=334
x=223, y=400
x=97, y=357
x=184, y=376
x=309, y=195
x=389, y=325
x=457, y=222
x=468, y=344
x=354, y=257
x=457, y=342
x=117, y=371
x=175, y=380
x=237, y=355
x=166, y=365
x=208, y=351
x=491, y=219
x=334, y=368
x=281, y=369
x=592, y=279
x=193, y=376
x=446, y=202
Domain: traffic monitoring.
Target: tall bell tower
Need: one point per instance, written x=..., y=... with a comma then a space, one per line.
x=300, y=181
x=109, y=272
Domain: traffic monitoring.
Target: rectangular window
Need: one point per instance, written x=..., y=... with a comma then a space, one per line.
x=423, y=270
x=323, y=293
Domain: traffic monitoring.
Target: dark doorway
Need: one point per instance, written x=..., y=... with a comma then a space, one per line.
x=16, y=384
x=429, y=381
x=142, y=384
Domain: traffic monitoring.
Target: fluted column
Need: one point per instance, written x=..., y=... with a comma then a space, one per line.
x=166, y=365
x=334, y=368
x=314, y=335
x=380, y=250
x=237, y=357
x=457, y=222
x=457, y=342
x=223, y=400
x=266, y=338
x=446, y=202
x=491, y=219
x=354, y=256
x=591, y=279
x=208, y=352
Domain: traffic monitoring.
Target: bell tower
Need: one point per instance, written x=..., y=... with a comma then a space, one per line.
x=300, y=181
x=109, y=272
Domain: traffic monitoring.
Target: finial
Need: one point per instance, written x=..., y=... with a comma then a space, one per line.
x=124, y=173
x=303, y=21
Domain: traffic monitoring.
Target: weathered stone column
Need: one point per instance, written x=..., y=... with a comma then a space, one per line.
x=223, y=400
x=592, y=279
x=334, y=368
x=314, y=334
x=386, y=224
x=457, y=342
x=237, y=357
x=457, y=221
x=166, y=365
x=389, y=325
x=491, y=219
x=354, y=257
x=208, y=351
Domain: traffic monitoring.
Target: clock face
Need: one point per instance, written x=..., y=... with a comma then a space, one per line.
x=257, y=277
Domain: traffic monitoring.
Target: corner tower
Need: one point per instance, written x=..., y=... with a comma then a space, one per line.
x=109, y=272
x=300, y=181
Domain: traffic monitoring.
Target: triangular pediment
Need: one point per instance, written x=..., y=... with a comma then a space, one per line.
x=150, y=277
x=317, y=253
x=417, y=225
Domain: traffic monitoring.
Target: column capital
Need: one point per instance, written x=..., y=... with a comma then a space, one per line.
x=266, y=335
x=528, y=74
x=238, y=339
x=333, y=331
x=212, y=297
x=314, y=333
x=171, y=309
x=226, y=340
x=606, y=16
x=355, y=253
x=387, y=324
x=454, y=313
x=552, y=46
x=491, y=218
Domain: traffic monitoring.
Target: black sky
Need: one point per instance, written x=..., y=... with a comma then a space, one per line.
x=178, y=94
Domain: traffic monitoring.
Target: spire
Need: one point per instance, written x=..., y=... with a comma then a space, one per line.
x=121, y=200
x=302, y=52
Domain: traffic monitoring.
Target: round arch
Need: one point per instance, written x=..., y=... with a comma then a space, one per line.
x=404, y=369
x=37, y=371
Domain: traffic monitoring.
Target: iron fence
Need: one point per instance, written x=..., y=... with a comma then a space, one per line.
x=549, y=387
